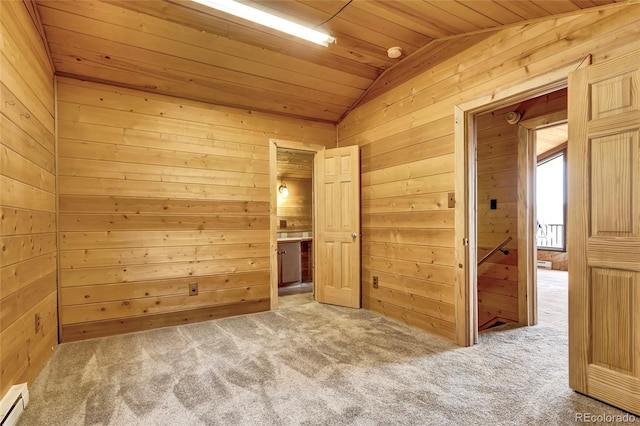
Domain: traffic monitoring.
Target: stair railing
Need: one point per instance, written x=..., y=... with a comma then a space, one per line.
x=495, y=250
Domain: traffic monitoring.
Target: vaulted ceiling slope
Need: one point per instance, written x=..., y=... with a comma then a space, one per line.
x=183, y=49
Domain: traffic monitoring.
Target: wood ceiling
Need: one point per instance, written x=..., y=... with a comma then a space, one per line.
x=551, y=137
x=183, y=49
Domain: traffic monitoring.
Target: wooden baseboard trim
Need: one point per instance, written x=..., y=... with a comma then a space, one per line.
x=90, y=330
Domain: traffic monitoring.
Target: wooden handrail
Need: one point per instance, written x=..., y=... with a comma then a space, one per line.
x=488, y=255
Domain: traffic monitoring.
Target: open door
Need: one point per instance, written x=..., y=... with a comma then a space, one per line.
x=604, y=231
x=337, y=228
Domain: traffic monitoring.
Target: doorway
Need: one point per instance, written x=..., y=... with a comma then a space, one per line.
x=551, y=145
x=336, y=222
x=295, y=226
x=467, y=255
x=292, y=222
x=505, y=241
x=603, y=168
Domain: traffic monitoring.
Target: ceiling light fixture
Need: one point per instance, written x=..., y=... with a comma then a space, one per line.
x=268, y=20
x=394, y=52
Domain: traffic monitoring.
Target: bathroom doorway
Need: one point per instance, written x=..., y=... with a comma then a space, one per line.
x=294, y=226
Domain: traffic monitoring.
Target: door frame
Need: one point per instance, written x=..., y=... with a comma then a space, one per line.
x=274, y=144
x=466, y=193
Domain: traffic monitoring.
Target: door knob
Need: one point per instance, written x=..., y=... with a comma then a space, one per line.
x=354, y=235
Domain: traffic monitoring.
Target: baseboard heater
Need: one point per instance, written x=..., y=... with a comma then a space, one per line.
x=13, y=404
x=544, y=264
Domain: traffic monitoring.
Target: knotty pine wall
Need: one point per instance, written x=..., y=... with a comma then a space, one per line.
x=157, y=193
x=296, y=209
x=497, y=178
x=407, y=145
x=295, y=169
x=27, y=199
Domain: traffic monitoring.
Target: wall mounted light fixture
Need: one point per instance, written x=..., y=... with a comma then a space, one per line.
x=284, y=190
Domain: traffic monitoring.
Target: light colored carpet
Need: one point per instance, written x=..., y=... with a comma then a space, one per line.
x=314, y=364
x=285, y=302
x=295, y=288
x=294, y=295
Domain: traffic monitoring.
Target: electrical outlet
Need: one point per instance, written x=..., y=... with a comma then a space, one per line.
x=193, y=289
x=38, y=322
x=375, y=281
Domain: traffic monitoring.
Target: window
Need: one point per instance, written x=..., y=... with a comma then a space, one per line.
x=551, y=203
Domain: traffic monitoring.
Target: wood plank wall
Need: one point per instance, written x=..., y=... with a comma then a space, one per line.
x=497, y=168
x=296, y=209
x=295, y=169
x=407, y=144
x=27, y=199
x=157, y=193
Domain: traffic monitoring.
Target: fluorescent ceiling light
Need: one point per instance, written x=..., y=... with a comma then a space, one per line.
x=268, y=20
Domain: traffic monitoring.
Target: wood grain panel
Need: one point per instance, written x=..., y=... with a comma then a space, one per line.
x=191, y=51
x=612, y=320
x=19, y=248
x=466, y=77
x=413, y=122
x=430, y=290
x=74, y=259
x=19, y=302
x=416, y=303
x=133, y=222
x=612, y=160
x=497, y=172
x=432, y=255
x=127, y=239
x=156, y=194
x=153, y=305
x=297, y=207
x=194, y=119
x=90, y=330
x=123, y=205
x=27, y=200
x=604, y=356
x=415, y=203
x=25, y=351
x=433, y=237
x=158, y=288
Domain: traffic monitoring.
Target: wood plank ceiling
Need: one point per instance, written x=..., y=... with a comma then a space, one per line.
x=551, y=137
x=184, y=49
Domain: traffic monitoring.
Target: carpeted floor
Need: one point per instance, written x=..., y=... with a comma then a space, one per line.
x=294, y=295
x=314, y=364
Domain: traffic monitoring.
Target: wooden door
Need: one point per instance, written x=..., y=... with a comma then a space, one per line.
x=604, y=231
x=337, y=229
